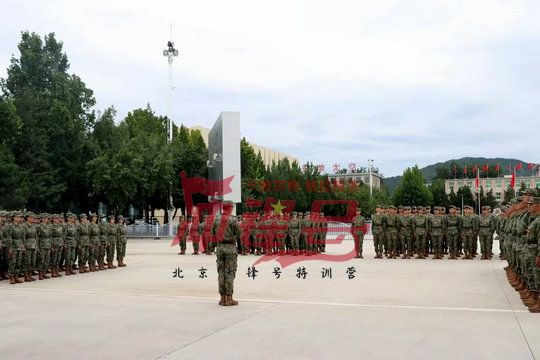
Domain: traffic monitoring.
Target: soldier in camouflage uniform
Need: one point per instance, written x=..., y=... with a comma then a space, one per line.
x=392, y=232
x=406, y=232
x=14, y=236
x=71, y=242
x=436, y=232
x=227, y=234
x=420, y=226
x=94, y=244
x=324, y=232
x=281, y=227
x=30, y=245
x=194, y=233
x=470, y=225
x=308, y=230
x=44, y=246
x=103, y=238
x=378, y=224
x=83, y=242
x=487, y=226
x=453, y=232
x=358, y=229
x=532, y=298
x=121, y=242
x=4, y=261
x=111, y=242
x=294, y=230
x=57, y=244
x=183, y=232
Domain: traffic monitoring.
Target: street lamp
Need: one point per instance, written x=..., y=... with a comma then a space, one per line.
x=170, y=52
x=370, y=162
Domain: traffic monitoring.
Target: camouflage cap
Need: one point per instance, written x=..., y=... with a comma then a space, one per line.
x=294, y=213
x=413, y=207
x=83, y=215
x=392, y=207
x=71, y=215
x=111, y=217
x=486, y=207
x=300, y=213
x=406, y=208
x=120, y=217
x=307, y=213
x=29, y=214
x=94, y=215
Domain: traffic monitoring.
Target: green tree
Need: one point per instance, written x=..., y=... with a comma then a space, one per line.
x=509, y=194
x=438, y=193
x=412, y=190
x=55, y=112
x=465, y=196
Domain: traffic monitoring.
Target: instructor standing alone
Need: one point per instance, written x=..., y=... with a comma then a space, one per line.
x=227, y=232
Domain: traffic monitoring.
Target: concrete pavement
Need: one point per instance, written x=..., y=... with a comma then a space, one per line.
x=391, y=309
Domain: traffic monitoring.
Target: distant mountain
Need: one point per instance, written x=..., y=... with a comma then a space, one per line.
x=430, y=170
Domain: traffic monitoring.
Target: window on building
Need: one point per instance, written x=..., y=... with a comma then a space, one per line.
x=498, y=195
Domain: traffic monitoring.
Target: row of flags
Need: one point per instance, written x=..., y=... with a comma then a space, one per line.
x=485, y=168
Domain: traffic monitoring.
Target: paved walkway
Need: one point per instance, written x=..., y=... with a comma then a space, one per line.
x=391, y=309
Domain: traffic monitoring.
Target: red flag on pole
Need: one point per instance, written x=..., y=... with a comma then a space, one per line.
x=513, y=181
x=465, y=170
x=497, y=167
x=530, y=166
x=485, y=168
x=519, y=166
x=477, y=180
x=474, y=168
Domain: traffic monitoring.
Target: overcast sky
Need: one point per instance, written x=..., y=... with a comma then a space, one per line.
x=400, y=82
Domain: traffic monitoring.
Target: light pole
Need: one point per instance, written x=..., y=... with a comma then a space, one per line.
x=170, y=52
x=370, y=162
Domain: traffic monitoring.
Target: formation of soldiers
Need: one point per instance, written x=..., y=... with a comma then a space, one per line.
x=409, y=232
x=519, y=232
x=260, y=234
x=41, y=244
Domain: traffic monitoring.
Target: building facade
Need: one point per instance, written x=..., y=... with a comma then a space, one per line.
x=497, y=185
x=268, y=155
x=340, y=179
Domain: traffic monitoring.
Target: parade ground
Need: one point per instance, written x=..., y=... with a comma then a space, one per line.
x=164, y=306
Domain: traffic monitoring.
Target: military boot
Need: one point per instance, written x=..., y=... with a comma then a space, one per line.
x=110, y=265
x=27, y=277
x=532, y=299
x=40, y=275
x=71, y=271
x=231, y=301
x=222, y=300
x=12, y=280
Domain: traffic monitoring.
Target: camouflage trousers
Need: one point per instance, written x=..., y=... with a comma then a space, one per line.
x=30, y=260
x=468, y=239
x=437, y=243
x=295, y=241
x=453, y=243
x=111, y=246
x=102, y=250
x=378, y=242
x=121, y=250
x=280, y=241
x=44, y=259
x=245, y=242
x=391, y=240
x=56, y=256
x=83, y=252
x=15, y=262
x=194, y=242
x=226, y=259
x=70, y=253
x=183, y=243
x=502, y=247
x=93, y=253
x=529, y=266
x=486, y=244
x=421, y=244
x=406, y=240
x=358, y=242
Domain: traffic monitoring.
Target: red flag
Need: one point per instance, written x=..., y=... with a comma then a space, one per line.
x=485, y=168
x=474, y=168
x=519, y=166
x=477, y=180
x=497, y=167
x=513, y=181
x=530, y=166
x=465, y=170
